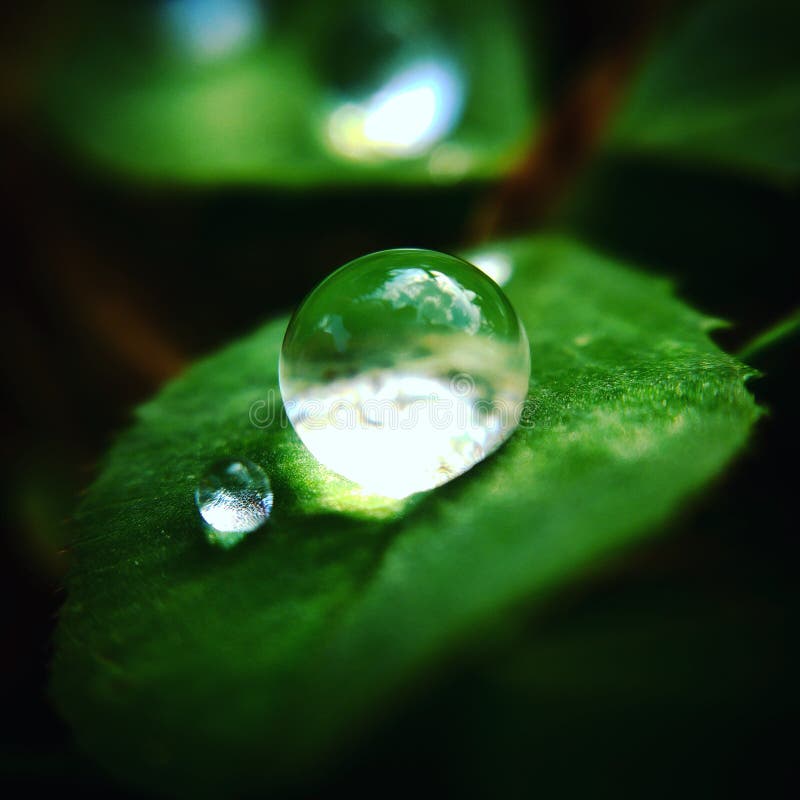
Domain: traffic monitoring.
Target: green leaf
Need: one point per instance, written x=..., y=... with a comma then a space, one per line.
x=721, y=86
x=244, y=93
x=189, y=669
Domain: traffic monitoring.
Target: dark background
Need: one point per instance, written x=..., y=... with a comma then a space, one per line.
x=669, y=669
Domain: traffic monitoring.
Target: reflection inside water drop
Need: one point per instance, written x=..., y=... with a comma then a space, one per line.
x=404, y=369
x=234, y=498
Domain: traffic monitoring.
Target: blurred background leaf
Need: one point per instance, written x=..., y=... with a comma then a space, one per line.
x=696, y=175
x=296, y=94
x=721, y=86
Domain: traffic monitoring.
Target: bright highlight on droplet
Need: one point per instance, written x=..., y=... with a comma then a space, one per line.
x=208, y=29
x=403, y=369
x=413, y=110
x=495, y=264
x=234, y=498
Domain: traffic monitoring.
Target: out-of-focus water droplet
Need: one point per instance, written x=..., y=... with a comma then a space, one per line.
x=396, y=88
x=209, y=29
x=234, y=498
x=413, y=110
x=403, y=369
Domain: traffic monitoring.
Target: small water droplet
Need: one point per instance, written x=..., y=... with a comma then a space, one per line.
x=424, y=374
x=234, y=498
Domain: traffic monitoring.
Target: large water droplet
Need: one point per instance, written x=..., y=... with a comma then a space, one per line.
x=403, y=369
x=234, y=498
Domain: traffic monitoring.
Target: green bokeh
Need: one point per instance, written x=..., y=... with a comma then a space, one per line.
x=136, y=103
x=721, y=87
